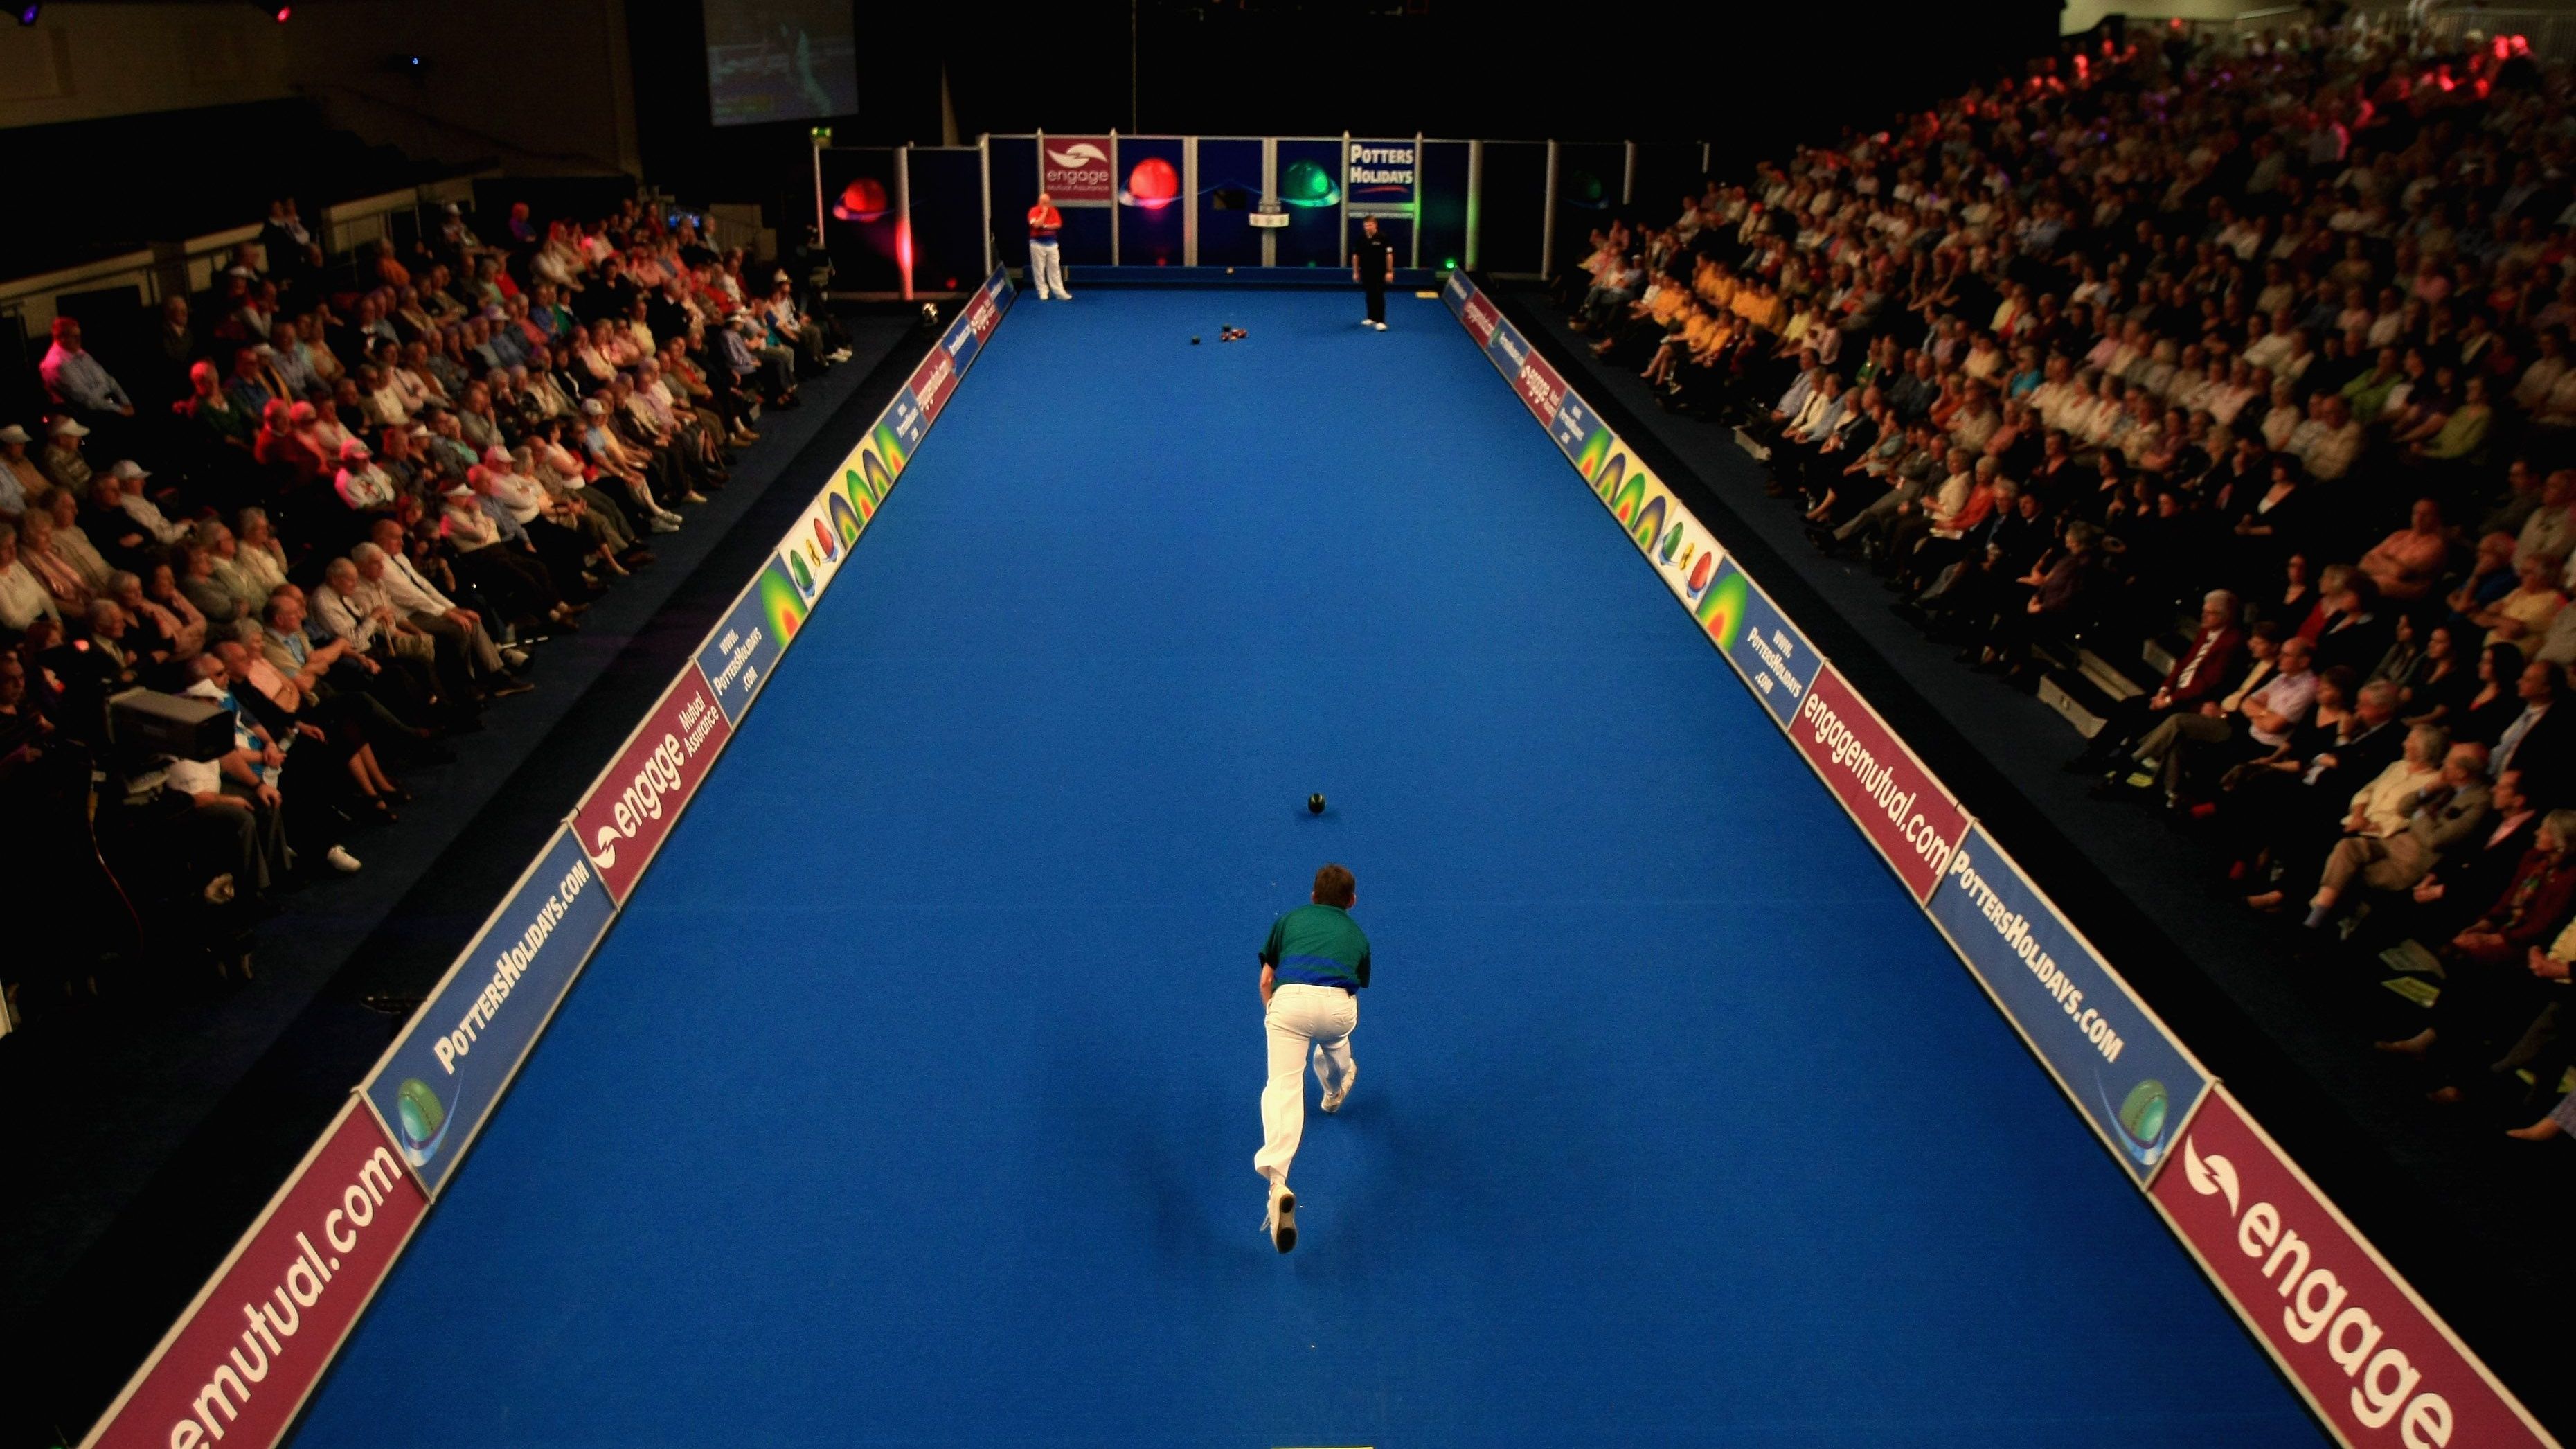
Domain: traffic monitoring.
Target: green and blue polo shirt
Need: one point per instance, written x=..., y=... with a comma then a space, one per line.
x=1318, y=946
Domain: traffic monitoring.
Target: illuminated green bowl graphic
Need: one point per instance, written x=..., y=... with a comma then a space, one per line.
x=1306, y=183
x=421, y=1119
x=2143, y=1111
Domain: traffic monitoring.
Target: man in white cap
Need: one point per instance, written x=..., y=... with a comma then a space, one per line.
x=121, y=488
x=360, y=483
x=62, y=459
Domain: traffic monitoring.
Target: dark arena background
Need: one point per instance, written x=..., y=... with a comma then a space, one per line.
x=643, y=774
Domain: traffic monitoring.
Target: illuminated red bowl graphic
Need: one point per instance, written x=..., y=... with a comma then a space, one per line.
x=1153, y=185
x=862, y=200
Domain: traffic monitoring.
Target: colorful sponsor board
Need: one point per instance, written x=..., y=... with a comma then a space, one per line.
x=445, y=1074
x=632, y=805
x=2110, y=1053
x=1774, y=658
x=1382, y=177
x=238, y=1365
x=1913, y=821
x=812, y=551
x=1663, y=530
x=2377, y=1365
x=1077, y=170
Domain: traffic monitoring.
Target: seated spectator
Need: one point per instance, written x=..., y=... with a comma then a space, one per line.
x=23, y=598
x=63, y=582
x=234, y=807
x=2527, y=608
x=71, y=540
x=20, y=479
x=464, y=652
x=155, y=602
x=325, y=736
x=254, y=383
x=99, y=664
x=363, y=486
x=396, y=658
x=2490, y=577
x=2438, y=817
x=63, y=460
x=255, y=568
x=2408, y=563
x=515, y=580
x=77, y=383
x=2497, y=976
x=2226, y=731
x=138, y=530
x=2438, y=685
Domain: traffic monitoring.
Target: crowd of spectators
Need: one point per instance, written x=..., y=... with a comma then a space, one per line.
x=347, y=502
x=2249, y=355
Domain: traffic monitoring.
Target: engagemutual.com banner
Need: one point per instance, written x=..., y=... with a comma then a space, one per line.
x=2136, y=1084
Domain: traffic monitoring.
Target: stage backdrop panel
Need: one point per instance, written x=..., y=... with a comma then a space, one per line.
x=859, y=227
x=1012, y=163
x=948, y=218
x=1511, y=215
x=1229, y=189
x=1310, y=184
x=1587, y=194
x=1667, y=171
x=1152, y=216
x=1443, y=221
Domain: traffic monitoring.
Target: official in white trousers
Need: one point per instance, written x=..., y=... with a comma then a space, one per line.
x=1313, y=968
x=1046, y=254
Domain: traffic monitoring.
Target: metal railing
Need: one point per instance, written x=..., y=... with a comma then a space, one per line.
x=2549, y=30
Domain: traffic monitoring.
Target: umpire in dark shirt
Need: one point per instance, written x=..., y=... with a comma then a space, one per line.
x=1373, y=267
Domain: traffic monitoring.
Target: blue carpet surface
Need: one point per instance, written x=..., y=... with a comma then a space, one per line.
x=914, y=1100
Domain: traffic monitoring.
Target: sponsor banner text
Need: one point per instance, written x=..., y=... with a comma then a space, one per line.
x=2376, y=1364
x=241, y=1362
x=451, y=1064
x=633, y=804
x=2124, y=1070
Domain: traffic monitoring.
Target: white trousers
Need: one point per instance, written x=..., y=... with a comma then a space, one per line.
x=1046, y=268
x=1301, y=1019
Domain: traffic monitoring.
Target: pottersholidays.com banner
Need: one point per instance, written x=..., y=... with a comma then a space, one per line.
x=2375, y=1362
x=238, y=1365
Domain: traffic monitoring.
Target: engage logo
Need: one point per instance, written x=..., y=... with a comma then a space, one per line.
x=2367, y=1352
x=632, y=806
x=1078, y=169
